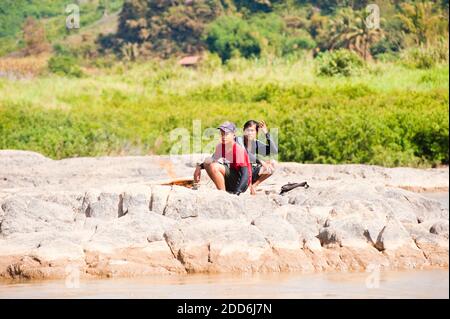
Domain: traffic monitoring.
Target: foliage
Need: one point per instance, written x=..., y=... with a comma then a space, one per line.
x=166, y=27
x=426, y=57
x=64, y=65
x=350, y=31
x=424, y=20
x=51, y=14
x=390, y=117
x=340, y=62
x=34, y=37
x=229, y=36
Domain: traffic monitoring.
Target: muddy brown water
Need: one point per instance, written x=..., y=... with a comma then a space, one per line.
x=373, y=284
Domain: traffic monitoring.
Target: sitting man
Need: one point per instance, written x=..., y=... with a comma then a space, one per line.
x=261, y=169
x=229, y=167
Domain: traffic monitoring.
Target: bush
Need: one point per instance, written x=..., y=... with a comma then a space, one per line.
x=418, y=58
x=230, y=35
x=342, y=124
x=293, y=44
x=340, y=62
x=64, y=65
x=392, y=117
x=60, y=49
x=425, y=57
x=211, y=62
x=388, y=57
x=255, y=5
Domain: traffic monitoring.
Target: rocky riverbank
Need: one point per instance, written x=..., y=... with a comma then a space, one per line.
x=111, y=216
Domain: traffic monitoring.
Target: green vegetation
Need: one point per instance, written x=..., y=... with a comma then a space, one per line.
x=388, y=115
x=51, y=13
x=274, y=28
x=337, y=90
x=231, y=36
x=340, y=62
x=64, y=65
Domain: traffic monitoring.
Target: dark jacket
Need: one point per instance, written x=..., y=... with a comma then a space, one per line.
x=259, y=148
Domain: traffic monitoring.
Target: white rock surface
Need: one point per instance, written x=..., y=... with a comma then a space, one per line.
x=110, y=216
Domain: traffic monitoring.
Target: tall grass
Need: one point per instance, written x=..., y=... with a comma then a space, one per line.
x=23, y=67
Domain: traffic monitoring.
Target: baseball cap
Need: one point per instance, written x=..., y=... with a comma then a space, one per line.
x=228, y=127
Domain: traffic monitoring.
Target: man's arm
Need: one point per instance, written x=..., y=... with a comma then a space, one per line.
x=214, y=158
x=271, y=147
x=200, y=166
x=243, y=180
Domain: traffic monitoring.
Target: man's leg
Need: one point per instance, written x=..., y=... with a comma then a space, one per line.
x=216, y=172
x=263, y=174
x=262, y=178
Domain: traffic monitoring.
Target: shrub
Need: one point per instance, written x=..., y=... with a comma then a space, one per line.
x=255, y=5
x=34, y=37
x=426, y=57
x=419, y=58
x=211, y=62
x=23, y=67
x=388, y=57
x=340, y=62
x=293, y=44
x=392, y=117
x=60, y=49
x=64, y=65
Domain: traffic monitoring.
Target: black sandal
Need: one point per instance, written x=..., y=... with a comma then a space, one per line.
x=290, y=186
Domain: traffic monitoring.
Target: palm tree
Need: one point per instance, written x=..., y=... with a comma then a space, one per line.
x=424, y=20
x=351, y=31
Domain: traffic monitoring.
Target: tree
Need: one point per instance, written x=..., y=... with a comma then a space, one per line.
x=229, y=35
x=34, y=37
x=349, y=30
x=424, y=20
x=132, y=20
x=166, y=27
x=256, y=5
x=329, y=6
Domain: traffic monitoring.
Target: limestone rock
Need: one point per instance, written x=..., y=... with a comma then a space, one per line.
x=112, y=217
x=22, y=214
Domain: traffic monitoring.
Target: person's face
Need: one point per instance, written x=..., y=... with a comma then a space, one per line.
x=251, y=132
x=226, y=137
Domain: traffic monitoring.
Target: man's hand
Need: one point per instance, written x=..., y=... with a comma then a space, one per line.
x=263, y=127
x=197, y=174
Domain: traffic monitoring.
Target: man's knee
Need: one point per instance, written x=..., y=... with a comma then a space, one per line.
x=267, y=172
x=212, y=167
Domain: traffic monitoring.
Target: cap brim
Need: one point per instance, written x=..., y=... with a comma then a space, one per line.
x=226, y=130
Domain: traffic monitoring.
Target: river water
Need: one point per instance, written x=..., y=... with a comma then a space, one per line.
x=373, y=284
x=406, y=284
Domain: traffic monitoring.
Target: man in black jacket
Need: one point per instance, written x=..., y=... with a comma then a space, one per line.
x=261, y=169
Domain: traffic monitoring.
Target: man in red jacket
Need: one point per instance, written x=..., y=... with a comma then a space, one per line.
x=229, y=167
